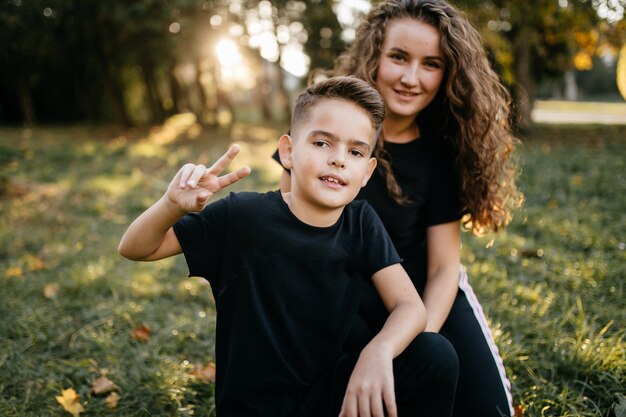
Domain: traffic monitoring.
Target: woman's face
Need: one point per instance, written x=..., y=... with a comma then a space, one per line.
x=410, y=67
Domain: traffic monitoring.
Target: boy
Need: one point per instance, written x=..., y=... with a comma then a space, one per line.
x=284, y=268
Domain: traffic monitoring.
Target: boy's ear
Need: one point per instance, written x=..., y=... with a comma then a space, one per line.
x=371, y=166
x=285, y=147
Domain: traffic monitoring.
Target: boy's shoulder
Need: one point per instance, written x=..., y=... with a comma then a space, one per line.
x=251, y=197
x=360, y=208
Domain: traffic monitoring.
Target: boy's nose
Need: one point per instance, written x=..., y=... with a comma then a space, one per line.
x=337, y=159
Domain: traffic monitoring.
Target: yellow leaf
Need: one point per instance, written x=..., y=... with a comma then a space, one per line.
x=576, y=180
x=583, y=61
x=112, y=400
x=34, y=262
x=51, y=290
x=69, y=400
x=102, y=385
x=13, y=271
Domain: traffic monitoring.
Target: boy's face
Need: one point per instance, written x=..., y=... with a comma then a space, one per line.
x=329, y=155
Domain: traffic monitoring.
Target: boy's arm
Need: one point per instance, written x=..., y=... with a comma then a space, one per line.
x=371, y=382
x=151, y=236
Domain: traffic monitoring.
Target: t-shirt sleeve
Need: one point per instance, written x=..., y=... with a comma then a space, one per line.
x=202, y=237
x=444, y=202
x=276, y=158
x=378, y=250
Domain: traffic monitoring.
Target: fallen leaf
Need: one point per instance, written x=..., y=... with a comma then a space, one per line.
x=142, y=333
x=112, y=400
x=576, y=180
x=205, y=373
x=13, y=271
x=34, y=262
x=51, y=290
x=102, y=385
x=69, y=400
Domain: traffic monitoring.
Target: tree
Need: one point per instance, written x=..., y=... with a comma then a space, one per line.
x=537, y=39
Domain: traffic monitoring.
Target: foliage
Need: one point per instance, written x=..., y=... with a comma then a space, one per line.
x=137, y=63
x=118, y=61
x=139, y=337
x=540, y=40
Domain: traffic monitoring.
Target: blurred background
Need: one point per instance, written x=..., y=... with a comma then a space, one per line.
x=101, y=102
x=138, y=62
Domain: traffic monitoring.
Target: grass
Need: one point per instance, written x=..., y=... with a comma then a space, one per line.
x=552, y=283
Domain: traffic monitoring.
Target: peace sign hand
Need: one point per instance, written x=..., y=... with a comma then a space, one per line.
x=194, y=185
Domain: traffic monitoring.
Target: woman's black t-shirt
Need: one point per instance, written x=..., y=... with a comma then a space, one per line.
x=424, y=169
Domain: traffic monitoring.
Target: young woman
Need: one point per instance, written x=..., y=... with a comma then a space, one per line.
x=443, y=162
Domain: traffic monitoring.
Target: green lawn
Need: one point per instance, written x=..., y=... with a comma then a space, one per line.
x=552, y=284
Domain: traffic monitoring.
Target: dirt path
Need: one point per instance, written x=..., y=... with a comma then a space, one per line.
x=579, y=113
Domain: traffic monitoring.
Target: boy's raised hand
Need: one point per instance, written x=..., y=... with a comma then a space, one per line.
x=194, y=185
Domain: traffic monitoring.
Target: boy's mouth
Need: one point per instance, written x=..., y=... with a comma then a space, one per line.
x=333, y=180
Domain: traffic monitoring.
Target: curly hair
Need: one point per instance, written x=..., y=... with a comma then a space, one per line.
x=471, y=109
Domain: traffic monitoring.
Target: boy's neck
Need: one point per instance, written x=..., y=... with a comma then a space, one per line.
x=311, y=215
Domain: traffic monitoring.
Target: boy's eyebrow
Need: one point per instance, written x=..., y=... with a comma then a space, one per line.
x=335, y=138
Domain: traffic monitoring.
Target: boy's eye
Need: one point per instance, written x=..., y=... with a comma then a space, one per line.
x=356, y=152
x=320, y=143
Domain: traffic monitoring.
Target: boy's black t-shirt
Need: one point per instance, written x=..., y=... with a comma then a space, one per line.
x=424, y=169
x=285, y=294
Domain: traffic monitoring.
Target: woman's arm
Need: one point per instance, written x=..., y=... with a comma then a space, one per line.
x=444, y=260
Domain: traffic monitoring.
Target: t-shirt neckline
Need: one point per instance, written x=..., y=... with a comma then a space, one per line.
x=295, y=218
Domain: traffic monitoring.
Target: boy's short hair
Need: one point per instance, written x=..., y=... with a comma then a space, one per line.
x=350, y=89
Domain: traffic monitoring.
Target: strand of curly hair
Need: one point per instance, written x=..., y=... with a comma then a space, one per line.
x=471, y=109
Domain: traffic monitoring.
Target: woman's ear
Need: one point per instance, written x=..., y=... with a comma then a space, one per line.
x=285, y=147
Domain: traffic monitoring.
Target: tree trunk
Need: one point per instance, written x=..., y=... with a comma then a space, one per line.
x=201, y=113
x=154, y=98
x=264, y=91
x=111, y=83
x=524, y=89
x=25, y=98
x=175, y=89
x=284, y=96
x=571, y=88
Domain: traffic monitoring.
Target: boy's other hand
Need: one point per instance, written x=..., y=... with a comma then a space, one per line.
x=194, y=185
x=371, y=386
